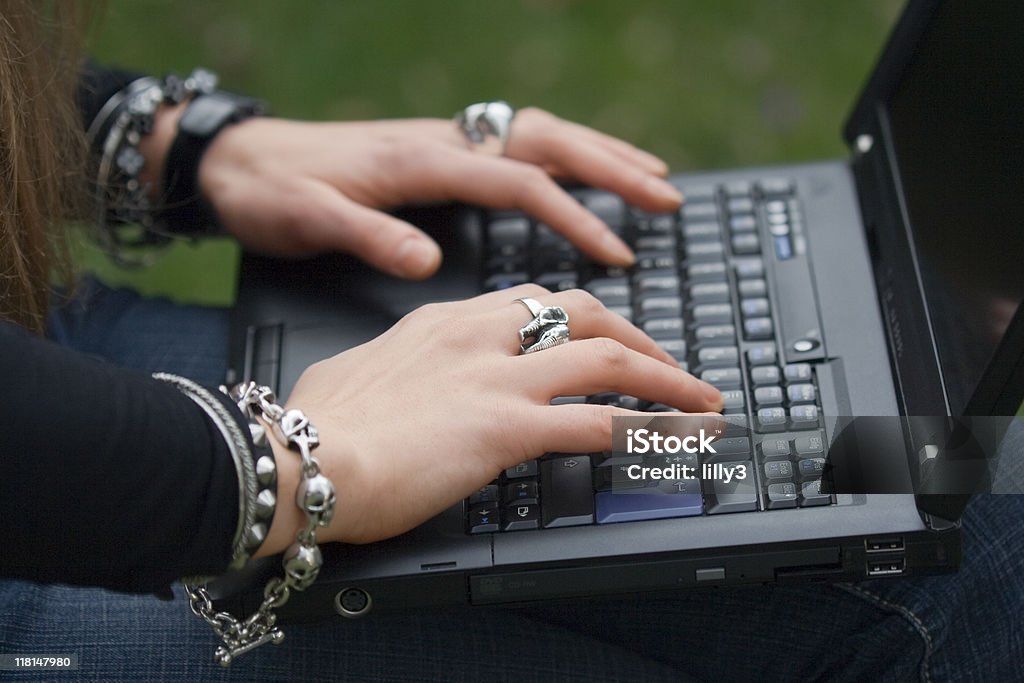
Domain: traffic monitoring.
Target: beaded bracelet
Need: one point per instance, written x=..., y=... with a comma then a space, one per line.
x=301, y=562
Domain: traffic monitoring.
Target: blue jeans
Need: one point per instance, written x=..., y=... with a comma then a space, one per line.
x=965, y=626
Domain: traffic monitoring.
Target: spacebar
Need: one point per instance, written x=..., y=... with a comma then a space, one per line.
x=566, y=491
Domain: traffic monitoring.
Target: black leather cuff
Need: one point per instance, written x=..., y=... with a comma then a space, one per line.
x=183, y=209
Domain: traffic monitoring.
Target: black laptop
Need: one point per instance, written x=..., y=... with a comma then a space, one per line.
x=883, y=285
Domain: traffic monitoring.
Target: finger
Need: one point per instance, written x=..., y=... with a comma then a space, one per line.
x=504, y=183
x=576, y=428
x=333, y=221
x=628, y=152
x=588, y=318
x=592, y=366
x=596, y=165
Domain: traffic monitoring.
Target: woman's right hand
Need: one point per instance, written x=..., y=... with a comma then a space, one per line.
x=420, y=417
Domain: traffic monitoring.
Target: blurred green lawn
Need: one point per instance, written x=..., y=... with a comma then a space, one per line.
x=703, y=83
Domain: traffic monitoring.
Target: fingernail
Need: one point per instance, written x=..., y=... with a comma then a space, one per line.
x=711, y=394
x=664, y=191
x=417, y=257
x=618, y=250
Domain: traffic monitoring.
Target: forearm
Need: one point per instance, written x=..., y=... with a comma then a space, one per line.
x=107, y=477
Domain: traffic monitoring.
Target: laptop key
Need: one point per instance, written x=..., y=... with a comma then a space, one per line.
x=729, y=449
x=801, y=393
x=774, y=449
x=697, y=232
x=713, y=271
x=811, y=494
x=778, y=469
x=718, y=357
x=699, y=252
x=520, y=492
x=740, y=205
x=485, y=494
x=606, y=287
x=797, y=372
x=752, y=288
x=522, y=470
x=697, y=211
x=782, y=495
x=734, y=399
x=761, y=354
x=723, y=378
x=615, y=478
x=512, y=231
x=743, y=224
x=803, y=416
x=758, y=328
x=567, y=491
x=662, y=328
x=653, y=260
x=712, y=314
x=521, y=516
x=753, y=308
x=810, y=468
x=749, y=267
x=746, y=243
x=696, y=194
x=715, y=335
x=670, y=498
x=727, y=492
x=808, y=446
x=484, y=518
x=667, y=306
x=657, y=284
x=655, y=242
x=771, y=419
x=765, y=375
x=710, y=293
x=768, y=396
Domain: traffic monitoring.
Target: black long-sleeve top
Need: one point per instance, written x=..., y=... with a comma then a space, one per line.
x=107, y=476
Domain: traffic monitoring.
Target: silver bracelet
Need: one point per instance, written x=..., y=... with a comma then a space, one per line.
x=250, y=531
x=302, y=560
x=123, y=205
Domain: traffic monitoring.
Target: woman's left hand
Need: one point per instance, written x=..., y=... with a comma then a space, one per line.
x=291, y=188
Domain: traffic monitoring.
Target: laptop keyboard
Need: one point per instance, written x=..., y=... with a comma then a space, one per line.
x=701, y=289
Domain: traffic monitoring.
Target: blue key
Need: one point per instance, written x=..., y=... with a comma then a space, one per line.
x=680, y=498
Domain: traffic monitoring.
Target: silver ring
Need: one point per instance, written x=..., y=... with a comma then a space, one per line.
x=486, y=125
x=549, y=327
x=532, y=304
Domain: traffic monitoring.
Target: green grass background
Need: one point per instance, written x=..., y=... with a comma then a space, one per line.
x=703, y=83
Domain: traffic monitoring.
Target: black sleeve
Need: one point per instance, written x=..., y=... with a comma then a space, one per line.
x=107, y=477
x=98, y=84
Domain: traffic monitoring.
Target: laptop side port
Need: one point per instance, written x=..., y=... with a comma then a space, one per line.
x=893, y=567
x=884, y=544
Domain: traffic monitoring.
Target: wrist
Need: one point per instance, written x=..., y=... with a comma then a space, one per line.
x=155, y=146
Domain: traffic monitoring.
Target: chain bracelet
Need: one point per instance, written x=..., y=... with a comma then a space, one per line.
x=302, y=560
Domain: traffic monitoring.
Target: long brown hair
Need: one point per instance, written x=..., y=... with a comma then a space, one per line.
x=41, y=150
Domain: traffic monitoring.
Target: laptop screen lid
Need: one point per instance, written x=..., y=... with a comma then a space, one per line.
x=939, y=160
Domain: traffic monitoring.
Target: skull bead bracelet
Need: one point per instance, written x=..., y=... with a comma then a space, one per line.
x=314, y=495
